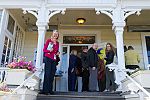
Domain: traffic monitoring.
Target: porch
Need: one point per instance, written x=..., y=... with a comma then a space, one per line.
x=98, y=25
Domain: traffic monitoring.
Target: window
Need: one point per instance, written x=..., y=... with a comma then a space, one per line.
x=79, y=39
x=147, y=39
x=11, y=24
x=18, y=43
x=0, y=15
x=6, y=51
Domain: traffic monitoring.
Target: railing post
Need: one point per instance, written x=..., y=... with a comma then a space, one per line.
x=141, y=95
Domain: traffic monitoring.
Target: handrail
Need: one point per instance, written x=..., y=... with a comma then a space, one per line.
x=8, y=97
x=114, y=66
x=136, y=83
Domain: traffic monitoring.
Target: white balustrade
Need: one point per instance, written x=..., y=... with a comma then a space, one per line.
x=80, y=1
x=3, y=73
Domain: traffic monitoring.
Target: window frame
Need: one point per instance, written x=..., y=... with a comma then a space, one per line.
x=18, y=42
x=1, y=12
x=146, y=62
x=6, y=52
x=14, y=22
x=12, y=37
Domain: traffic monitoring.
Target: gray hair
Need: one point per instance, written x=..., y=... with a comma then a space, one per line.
x=74, y=52
x=55, y=31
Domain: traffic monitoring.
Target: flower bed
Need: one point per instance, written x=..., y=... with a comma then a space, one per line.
x=21, y=63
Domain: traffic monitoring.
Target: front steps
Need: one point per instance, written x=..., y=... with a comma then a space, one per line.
x=81, y=96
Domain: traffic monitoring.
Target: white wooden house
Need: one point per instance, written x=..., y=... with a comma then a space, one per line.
x=26, y=24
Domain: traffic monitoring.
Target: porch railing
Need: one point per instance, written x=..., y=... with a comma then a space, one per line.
x=133, y=81
x=3, y=72
x=117, y=69
x=81, y=1
x=136, y=83
x=3, y=75
x=29, y=78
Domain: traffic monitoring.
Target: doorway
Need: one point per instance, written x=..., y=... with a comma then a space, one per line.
x=64, y=64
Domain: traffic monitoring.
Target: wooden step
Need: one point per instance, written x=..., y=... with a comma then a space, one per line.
x=81, y=96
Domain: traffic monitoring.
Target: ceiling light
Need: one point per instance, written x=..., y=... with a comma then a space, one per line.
x=80, y=20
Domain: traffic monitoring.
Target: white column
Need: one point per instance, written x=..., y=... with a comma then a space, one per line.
x=2, y=31
x=41, y=36
x=120, y=53
x=120, y=46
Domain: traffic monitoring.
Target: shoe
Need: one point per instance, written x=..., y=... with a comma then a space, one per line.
x=112, y=91
x=45, y=93
x=51, y=92
x=106, y=90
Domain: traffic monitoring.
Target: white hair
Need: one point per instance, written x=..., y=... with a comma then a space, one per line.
x=55, y=31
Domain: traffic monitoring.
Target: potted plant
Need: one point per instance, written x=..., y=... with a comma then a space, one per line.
x=20, y=69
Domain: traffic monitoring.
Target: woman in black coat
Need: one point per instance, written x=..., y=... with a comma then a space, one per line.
x=110, y=75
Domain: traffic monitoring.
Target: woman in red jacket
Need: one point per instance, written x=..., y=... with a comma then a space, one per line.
x=51, y=48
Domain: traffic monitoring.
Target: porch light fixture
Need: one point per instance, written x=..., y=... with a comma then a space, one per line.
x=81, y=20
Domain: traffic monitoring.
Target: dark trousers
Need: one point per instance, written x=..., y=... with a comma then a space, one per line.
x=110, y=80
x=50, y=69
x=102, y=85
x=85, y=79
x=72, y=81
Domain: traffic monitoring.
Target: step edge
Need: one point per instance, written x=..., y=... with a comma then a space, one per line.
x=71, y=96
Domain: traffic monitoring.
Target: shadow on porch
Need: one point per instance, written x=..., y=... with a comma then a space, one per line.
x=82, y=96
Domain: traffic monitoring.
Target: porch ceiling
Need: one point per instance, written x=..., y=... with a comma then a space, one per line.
x=69, y=19
x=142, y=19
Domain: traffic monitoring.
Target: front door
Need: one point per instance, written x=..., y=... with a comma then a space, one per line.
x=64, y=64
x=64, y=68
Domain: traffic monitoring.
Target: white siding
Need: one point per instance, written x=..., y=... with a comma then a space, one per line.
x=30, y=44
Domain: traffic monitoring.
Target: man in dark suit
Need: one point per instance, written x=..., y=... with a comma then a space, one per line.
x=93, y=63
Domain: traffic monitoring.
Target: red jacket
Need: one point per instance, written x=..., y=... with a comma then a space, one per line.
x=51, y=54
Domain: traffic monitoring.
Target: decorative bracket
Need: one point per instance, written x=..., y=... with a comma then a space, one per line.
x=49, y=13
x=31, y=11
x=54, y=12
x=130, y=12
x=106, y=12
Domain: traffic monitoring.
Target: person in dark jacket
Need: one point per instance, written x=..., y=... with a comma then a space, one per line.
x=85, y=70
x=79, y=65
x=93, y=64
x=72, y=78
x=110, y=75
x=79, y=73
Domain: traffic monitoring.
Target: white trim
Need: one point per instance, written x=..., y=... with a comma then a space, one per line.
x=144, y=49
x=2, y=31
x=23, y=42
